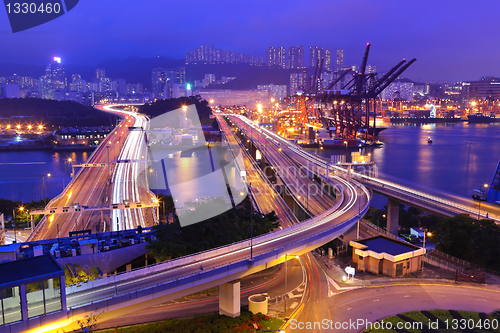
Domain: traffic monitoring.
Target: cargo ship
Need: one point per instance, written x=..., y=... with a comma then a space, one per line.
x=349, y=143
x=423, y=120
x=479, y=118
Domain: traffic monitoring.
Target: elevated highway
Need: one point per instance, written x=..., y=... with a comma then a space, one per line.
x=426, y=201
x=400, y=193
x=142, y=288
x=106, y=184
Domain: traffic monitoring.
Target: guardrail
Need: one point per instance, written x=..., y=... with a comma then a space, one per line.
x=257, y=169
x=442, y=204
x=374, y=230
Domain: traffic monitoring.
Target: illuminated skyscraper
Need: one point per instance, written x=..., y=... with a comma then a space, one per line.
x=339, y=59
x=207, y=54
x=296, y=57
x=327, y=65
x=276, y=57
x=100, y=73
x=298, y=81
x=161, y=77
x=54, y=79
x=315, y=55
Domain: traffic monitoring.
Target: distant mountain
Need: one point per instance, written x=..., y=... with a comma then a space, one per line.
x=54, y=113
x=9, y=68
x=251, y=78
x=197, y=72
x=136, y=69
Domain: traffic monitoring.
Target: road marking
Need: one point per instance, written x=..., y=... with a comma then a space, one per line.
x=336, y=286
x=349, y=309
x=295, y=314
x=407, y=296
x=290, y=295
x=375, y=300
x=480, y=299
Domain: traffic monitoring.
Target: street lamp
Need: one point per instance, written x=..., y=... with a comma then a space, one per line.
x=251, y=220
x=14, y=217
x=428, y=234
x=483, y=196
x=69, y=160
x=286, y=273
x=43, y=187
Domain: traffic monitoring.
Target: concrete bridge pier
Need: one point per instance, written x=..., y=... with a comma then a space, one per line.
x=393, y=216
x=352, y=234
x=229, y=299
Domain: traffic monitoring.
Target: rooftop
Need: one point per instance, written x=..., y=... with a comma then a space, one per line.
x=388, y=245
x=29, y=270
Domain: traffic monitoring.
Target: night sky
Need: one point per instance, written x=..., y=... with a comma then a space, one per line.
x=451, y=39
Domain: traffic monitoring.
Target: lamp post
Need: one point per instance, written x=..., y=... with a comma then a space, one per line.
x=69, y=160
x=43, y=187
x=251, y=220
x=479, y=210
x=286, y=273
x=14, y=218
x=108, y=147
x=428, y=234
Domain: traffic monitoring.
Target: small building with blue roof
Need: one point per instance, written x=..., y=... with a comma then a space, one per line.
x=387, y=256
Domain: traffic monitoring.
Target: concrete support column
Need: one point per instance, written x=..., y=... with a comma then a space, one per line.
x=351, y=234
x=393, y=216
x=24, y=301
x=32, y=223
x=229, y=299
x=63, y=292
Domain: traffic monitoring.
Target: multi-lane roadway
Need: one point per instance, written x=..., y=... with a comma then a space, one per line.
x=111, y=181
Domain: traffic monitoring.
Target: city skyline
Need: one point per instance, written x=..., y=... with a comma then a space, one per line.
x=451, y=41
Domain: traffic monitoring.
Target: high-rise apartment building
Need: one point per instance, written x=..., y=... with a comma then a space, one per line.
x=161, y=77
x=295, y=57
x=100, y=73
x=327, y=65
x=207, y=54
x=339, y=59
x=276, y=57
x=315, y=55
x=54, y=79
x=298, y=81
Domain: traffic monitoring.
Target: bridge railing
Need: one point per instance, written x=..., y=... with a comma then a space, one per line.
x=374, y=230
